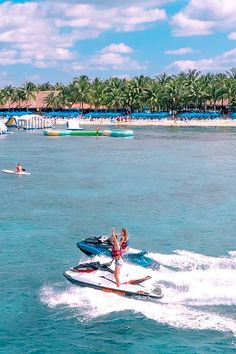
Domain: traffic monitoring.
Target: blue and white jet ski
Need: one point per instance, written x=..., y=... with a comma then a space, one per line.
x=101, y=277
x=98, y=246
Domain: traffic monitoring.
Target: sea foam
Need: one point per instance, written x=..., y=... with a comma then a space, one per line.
x=196, y=289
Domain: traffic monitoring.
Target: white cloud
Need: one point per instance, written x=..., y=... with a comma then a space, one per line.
x=117, y=17
x=106, y=3
x=115, y=57
x=26, y=29
x=203, y=17
x=76, y=66
x=187, y=27
x=10, y=57
x=180, y=51
x=117, y=48
x=5, y=78
x=221, y=63
x=232, y=36
x=182, y=65
x=43, y=33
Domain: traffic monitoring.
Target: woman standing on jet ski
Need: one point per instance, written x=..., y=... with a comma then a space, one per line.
x=116, y=255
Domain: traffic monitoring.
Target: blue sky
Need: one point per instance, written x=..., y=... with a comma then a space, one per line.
x=56, y=40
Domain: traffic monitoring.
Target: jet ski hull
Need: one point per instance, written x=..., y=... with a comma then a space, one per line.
x=103, y=280
x=137, y=257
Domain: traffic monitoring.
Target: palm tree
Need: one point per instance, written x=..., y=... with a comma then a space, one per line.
x=2, y=97
x=174, y=93
x=80, y=90
x=191, y=89
x=18, y=96
x=231, y=74
x=230, y=91
x=29, y=91
x=139, y=86
x=193, y=75
x=155, y=97
x=97, y=93
x=221, y=81
x=214, y=91
x=65, y=98
x=8, y=92
x=51, y=100
x=130, y=99
x=46, y=86
x=115, y=93
x=58, y=86
x=163, y=78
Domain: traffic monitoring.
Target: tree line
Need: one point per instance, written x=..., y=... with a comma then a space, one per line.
x=183, y=91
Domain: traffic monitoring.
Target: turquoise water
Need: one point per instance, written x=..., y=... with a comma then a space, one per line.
x=174, y=188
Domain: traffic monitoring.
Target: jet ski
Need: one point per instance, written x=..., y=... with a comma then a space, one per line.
x=101, y=277
x=93, y=246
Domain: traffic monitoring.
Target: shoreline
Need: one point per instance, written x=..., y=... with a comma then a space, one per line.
x=164, y=123
x=219, y=122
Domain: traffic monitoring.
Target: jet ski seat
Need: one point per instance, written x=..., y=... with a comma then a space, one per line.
x=98, y=240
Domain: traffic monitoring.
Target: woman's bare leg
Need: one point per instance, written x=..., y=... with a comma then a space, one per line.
x=117, y=275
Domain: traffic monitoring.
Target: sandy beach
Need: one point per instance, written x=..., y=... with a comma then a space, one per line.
x=144, y=122
x=167, y=122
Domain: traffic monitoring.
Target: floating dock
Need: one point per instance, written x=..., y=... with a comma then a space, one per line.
x=111, y=133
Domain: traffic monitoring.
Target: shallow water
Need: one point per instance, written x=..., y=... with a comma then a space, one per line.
x=174, y=188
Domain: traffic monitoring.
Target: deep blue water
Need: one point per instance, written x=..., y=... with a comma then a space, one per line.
x=175, y=191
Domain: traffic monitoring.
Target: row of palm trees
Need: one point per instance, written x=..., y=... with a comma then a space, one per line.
x=162, y=93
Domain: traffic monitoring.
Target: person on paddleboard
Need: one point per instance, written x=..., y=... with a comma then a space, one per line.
x=116, y=255
x=19, y=168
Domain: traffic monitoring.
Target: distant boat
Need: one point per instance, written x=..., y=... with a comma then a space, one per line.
x=73, y=124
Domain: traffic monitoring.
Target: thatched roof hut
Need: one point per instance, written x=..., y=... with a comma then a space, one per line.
x=39, y=103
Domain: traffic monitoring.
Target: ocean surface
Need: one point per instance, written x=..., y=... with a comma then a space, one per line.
x=173, y=188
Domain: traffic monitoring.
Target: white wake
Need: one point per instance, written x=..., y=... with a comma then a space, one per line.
x=196, y=290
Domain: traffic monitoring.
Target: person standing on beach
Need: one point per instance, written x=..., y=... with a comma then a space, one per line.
x=116, y=255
